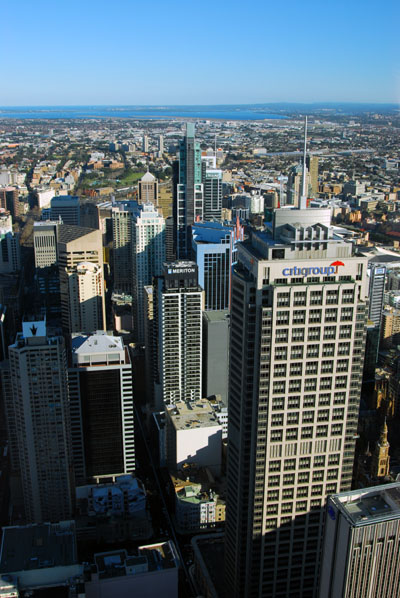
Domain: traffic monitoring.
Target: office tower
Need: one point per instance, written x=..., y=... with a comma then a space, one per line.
x=148, y=256
x=102, y=418
x=67, y=208
x=122, y=245
x=179, y=304
x=312, y=167
x=148, y=189
x=298, y=315
x=145, y=144
x=81, y=286
x=212, y=188
x=46, y=265
x=214, y=250
x=188, y=205
x=9, y=200
x=150, y=342
x=161, y=144
x=377, y=275
x=38, y=421
x=216, y=354
x=361, y=558
x=45, y=243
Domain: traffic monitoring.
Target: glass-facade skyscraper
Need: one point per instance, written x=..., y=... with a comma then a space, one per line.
x=188, y=205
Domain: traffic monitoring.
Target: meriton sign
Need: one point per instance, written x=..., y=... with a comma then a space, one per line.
x=315, y=270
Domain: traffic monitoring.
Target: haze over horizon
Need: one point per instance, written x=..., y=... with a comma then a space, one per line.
x=172, y=55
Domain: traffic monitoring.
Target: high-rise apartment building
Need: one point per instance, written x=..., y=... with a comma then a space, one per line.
x=188, y=205
x=148, y=256
x=361, y=557
x=66, y=207
x=179, y=320
x=86, y=297
x=145, y=144
x=38, y=422
x=377, y=277
x=76, y=246
x=161, y=145
x=148, y=189
x=298, y=317
x=102, y=414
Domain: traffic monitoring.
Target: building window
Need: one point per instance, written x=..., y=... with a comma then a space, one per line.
x=296, y=352
x=297, y=334
x=331, y=314
x=315, y=316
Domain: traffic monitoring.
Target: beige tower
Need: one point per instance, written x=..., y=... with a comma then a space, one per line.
x=76, y=246
x=380, y=457
x=148, y=189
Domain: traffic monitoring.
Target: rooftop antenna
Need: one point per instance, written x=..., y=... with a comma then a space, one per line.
x=303, y=198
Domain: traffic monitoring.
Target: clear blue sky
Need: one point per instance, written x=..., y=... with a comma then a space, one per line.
x=181, y=52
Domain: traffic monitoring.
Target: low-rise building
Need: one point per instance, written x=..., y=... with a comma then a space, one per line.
x=153, y=572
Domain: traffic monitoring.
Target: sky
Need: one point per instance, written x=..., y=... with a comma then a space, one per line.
x=127, y=52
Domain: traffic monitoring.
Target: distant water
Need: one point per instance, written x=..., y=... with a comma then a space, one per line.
x=139, y=112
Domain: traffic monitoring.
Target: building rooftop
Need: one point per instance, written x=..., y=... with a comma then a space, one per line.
x=217, y=315
x=152, y=557
x=100, y=342
x=199, y=414
x=370, y=505
x=41, y=546
x=68, y=233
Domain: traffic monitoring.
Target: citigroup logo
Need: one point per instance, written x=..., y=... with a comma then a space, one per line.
x=316, y=270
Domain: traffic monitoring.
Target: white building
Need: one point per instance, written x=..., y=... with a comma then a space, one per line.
x=194, y=435
x=361, y=557
x=44, y=197
x=102, y=414
x=148, y=256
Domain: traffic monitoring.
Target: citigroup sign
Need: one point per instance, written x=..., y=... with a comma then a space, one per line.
x=313, y=271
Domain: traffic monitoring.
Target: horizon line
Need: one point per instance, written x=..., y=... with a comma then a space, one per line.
x=162, y=105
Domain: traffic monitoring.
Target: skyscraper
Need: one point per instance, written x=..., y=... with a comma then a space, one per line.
x=312, y=167
x=39, y=423
x=188, y=205
x=122, y=245
x=298, y=315
x=148, y=189
x=66, y=207
x=179, y=320
x=86, y=297
x=148, y=256
x=102, y=419
x=212, y=187
x=361, y=558
x=81, y=288
x=9, y=200
x=214, y=250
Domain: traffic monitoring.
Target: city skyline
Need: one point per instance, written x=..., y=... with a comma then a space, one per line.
x=305, y=52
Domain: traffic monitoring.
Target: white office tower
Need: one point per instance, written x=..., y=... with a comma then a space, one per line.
x=102, y=417
x=81, y=285
x=298, y=319
x=180, y=305
x=45, y=243
x=38, y=421
x=145, y=144
x=148, y=256
x=161, y=145
x=361, y=557
x=86, y=297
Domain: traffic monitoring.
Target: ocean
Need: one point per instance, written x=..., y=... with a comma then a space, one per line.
x=138, y=112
